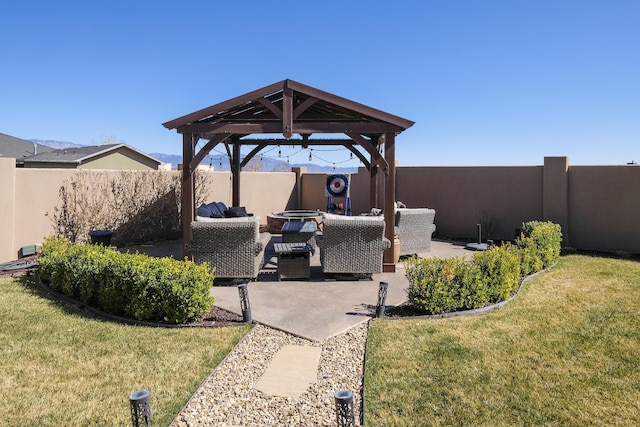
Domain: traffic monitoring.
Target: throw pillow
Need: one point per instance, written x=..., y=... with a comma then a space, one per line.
x=235, y=212
x=217, y=209
x=204, y=210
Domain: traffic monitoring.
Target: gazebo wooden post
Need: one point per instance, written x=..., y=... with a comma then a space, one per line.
x=373, y=187
x=188, y=191
x=388, y=263
x=235, y=172
x=374, y=192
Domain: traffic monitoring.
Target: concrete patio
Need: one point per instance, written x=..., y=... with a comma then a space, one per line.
x=317, y=308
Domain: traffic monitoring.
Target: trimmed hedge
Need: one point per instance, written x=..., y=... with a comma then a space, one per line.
x=439, y=285
x=131, y=285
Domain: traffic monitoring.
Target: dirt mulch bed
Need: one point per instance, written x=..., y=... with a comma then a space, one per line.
x=218, y=317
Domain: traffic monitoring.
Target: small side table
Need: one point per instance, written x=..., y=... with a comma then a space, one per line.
x=293, y=260
x=300, y=232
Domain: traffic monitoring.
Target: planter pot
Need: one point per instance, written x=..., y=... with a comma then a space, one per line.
x=396, y=249
x=101, y=237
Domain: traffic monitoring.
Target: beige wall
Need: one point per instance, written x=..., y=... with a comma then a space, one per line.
x=600, y=204
x=36, y=197
x=7, y=208
x=260, y=192
x=500, y=197
x=604, y=208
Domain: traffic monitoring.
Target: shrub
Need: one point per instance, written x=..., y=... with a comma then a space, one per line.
x=444, y=285
x=140, y=206
x=540, y=245
x=500, y=269
x=132, y=285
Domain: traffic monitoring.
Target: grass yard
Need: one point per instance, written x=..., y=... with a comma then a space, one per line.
x=566, y=352
x=62, y=366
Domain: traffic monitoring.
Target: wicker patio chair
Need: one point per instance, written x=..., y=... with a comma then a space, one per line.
x=352, y=245
x=414, y=227
x=234, y=247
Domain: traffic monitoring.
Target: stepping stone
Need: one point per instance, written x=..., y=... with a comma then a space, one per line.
x=293, y=369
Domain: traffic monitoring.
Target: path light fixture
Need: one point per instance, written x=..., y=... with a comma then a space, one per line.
x=344, y=408
x=140, y=409
x=244, y=302
x=382, y=296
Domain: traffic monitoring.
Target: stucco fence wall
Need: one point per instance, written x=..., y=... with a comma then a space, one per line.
x=597, y=206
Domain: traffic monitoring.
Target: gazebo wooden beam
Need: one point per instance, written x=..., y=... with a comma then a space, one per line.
x=376, y=158
x=276, y=127
x=295, y=142
x=304, y=106
x=204, y=151
x=250, y=156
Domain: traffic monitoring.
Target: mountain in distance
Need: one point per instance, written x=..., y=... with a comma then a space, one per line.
x=55, y=144
x=268, y=164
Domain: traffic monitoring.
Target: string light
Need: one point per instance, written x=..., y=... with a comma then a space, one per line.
x=313, y=155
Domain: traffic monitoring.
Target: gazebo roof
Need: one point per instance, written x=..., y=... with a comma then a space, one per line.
x=288, y=107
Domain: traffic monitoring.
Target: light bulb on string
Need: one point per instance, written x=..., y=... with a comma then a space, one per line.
x=310, y=158
x=350, y=156
x=334, y=167
x=287, y=159
x=279, y=152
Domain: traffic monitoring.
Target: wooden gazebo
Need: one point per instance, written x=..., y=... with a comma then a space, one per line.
x=287, y=108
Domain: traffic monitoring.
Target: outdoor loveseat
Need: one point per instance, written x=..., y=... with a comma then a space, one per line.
x=234, y=247
x=414, y=227
x=352, y=245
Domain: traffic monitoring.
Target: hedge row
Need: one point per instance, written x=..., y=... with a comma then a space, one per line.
x=131, y=285
x=439, y=285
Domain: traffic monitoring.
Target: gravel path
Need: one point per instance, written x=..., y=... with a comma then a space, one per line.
x=227, y=397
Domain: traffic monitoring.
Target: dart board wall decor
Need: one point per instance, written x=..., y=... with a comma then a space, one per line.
x=337, y=185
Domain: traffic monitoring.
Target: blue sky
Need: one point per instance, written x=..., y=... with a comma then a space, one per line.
x=486, y=82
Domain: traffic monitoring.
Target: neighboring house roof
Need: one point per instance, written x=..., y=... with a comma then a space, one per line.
x=17, y=148
x=79, y=155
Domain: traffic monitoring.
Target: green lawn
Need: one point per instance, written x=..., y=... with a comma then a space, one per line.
x=62, y=366
x=566, y=351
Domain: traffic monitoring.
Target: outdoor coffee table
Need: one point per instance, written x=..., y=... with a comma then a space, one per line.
x=293, y=260
x=300, y=232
